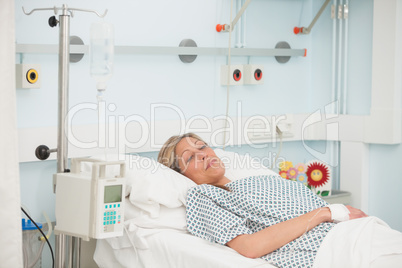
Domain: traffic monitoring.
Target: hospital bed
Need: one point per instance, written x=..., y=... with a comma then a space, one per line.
x=156, y=236
x=155, y=220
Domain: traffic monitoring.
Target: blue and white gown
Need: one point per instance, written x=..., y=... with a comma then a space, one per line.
x=251, y=205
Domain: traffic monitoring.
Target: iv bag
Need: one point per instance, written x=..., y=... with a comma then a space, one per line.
x=102, y=53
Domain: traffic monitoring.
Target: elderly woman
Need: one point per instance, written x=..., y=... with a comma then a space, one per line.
x=279, y=220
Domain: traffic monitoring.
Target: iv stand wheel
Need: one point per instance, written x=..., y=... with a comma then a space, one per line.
x=42, y=152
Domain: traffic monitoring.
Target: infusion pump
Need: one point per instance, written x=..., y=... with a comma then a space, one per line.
x=90, y=204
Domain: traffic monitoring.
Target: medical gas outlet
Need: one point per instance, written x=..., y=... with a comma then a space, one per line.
x=253, y=74
x=247, y=74
x=232, y=75
x=27, y=75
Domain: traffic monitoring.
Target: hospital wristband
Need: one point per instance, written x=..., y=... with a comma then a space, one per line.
x=339, y=212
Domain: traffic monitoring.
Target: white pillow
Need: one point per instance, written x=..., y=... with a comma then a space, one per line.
x=154, y=184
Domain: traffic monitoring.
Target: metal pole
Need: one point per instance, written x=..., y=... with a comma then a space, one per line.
x=76, y=249
x=307, y=31
x=69, y=251
x=64, y=245
x=64, y=59
x=64, y=55
x=59, y=243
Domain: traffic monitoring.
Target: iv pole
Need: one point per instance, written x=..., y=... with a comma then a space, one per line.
x=43, y=152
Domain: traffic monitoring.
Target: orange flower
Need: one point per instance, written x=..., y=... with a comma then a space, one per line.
x=283, y=174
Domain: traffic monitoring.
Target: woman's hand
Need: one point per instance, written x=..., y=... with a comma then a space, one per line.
x=355, y=213
x=340, y=212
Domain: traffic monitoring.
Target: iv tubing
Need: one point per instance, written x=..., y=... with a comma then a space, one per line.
x=238, y=30
x=228, y=79
x=102, y=127
x=332, y=146
x=345, y=61
x=280, y=147
x=340, y=51
x=334, y=49
x=243, y=28
x=132, y=244
x=49, y=224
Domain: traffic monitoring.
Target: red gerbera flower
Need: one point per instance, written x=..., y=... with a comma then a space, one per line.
x=317, y=174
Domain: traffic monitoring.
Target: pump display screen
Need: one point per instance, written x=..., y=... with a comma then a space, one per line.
x=113, y=193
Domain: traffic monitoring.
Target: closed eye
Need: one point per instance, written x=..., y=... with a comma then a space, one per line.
x=200, y=146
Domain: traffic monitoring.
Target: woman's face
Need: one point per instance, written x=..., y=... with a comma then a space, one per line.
x=199, y=162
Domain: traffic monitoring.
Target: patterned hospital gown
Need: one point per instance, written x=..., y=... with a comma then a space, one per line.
x=251, y=205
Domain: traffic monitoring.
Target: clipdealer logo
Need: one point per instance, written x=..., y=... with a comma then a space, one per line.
x=134, y=132
x=323, y=125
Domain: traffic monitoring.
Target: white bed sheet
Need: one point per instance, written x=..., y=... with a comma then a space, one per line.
x=365, y=242
x=164, y=242
x=173, y=249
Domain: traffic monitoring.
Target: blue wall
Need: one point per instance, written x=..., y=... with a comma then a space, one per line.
x=302, y=85
x=385, y=184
